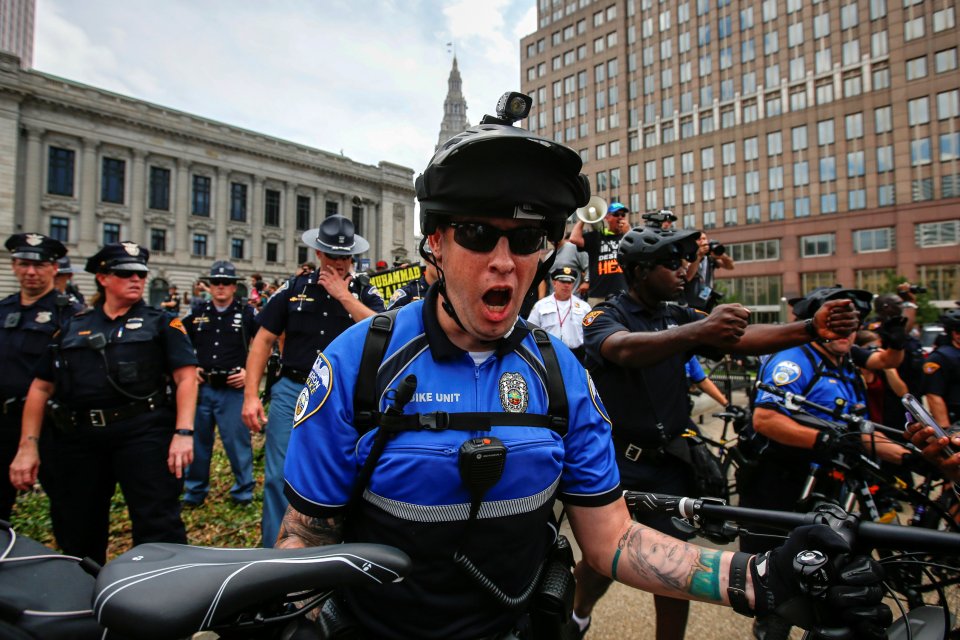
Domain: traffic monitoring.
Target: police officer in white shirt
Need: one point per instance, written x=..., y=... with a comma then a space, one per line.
x=561, y=313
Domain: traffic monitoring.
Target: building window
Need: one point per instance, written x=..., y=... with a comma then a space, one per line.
x=238, y=202
x=709, y=219
x=60, y=171
x=918, y=111
x=920, y=152
x=828, y=203
x=948, y=104
x=881, y=78
x=942, y=280
x=817, y=279
x=303, y=212
x=331, y=208
x=200, y=244
x=237, y=249
x=828, y=169
x=158, y=240
x=753, y=214
x=159, y=189
x=60, y=228
x=801, y=173
x=856, y=199
x=753, y=291
x=822, y=244
x=775, y=178
x=886, y=195
x=883, y=119
x=937, y=234
x=201, y=198
x=801, y=207
x=913, y=29
x=825, y=134
x=884, y=158
x=855, y=164
x=943, y=20
x=777, y=210
x=945, y=60
x=730, y=217
x=271, y=208
x=111, y=233
x=949, y=149
x=873, y=279
x=922, y=189
x=271, y=252
x=917, y=68
x=872, y=240
x=854, y=125
x=111, y=182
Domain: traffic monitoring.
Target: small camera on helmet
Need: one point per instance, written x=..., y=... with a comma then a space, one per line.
x=659, y=218
x=511, y=107
x=717, y=248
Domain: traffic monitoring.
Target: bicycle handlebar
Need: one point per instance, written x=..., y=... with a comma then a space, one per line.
x=880, y=536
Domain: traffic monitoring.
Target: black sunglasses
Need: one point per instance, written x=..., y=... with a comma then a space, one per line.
x=676, y=262
x=333, y=256
x=482, y=238
x=126, y=275
x=222, y=283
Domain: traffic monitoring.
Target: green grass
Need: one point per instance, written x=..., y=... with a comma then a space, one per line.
x=218, y=522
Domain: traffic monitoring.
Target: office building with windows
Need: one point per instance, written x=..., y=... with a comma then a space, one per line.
x=88, y=167
x=819, y=141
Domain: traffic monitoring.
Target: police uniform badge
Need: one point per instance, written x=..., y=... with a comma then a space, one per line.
x=131, y=248
x=397, y=295
x=34, y=239
x=513, y=393
x=303, y=401
x=43, y=317
x=786, y=372
x=315, y=391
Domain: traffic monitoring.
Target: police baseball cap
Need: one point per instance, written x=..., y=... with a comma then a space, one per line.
x=35, y=246
x=223, y=270
x=336, y=236
x=64, y=267
x=118, y=256
x=564, y=274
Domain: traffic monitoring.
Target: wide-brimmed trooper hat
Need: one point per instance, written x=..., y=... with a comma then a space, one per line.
x=223, y=270
x=335, y=236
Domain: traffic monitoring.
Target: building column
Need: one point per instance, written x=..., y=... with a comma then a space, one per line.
x=33, y=187
x=88, y=198
x=221, y=213
x=138, y=196
x=256, y=220
x=182, y=210
x=290, y=226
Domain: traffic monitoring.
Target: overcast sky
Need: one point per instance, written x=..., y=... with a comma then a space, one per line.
x=367, y=77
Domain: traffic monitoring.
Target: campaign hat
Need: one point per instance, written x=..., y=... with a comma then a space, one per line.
x=336, y=236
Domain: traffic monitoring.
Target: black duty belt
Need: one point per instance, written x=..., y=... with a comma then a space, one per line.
x=104, y=417
x=217, y=378
x=297, y=375
x=636, y=453
x=12, y=406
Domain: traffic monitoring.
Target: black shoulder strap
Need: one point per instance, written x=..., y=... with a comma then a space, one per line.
x=557, y=408
x=365, y=413
x=817, y=369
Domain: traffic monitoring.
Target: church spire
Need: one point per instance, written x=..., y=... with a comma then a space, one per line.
x=454, y=107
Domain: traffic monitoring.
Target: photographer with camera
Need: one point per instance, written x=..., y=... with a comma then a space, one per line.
x=221, y=330
x=698, y=291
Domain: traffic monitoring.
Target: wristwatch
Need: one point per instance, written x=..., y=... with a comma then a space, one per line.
x=184, y=432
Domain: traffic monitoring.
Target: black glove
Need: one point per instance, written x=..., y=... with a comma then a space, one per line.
x=830, y=445
x=839, y=598
x=893, y=333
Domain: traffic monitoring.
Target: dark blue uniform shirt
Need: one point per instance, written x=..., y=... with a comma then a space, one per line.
x=942, y=377
x=310, y=317
x=221, y=337
x=25, y=334
x=143, y=347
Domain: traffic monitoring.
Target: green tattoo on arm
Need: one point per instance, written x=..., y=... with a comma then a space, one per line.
x=705, y=580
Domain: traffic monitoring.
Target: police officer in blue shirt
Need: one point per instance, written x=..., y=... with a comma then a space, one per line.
x=416, y=290
x=221, y=330
x=107, y=372
x=310, y=310
x=941, y=373
x=479, y=423
x=28, y=320
x=63, y=281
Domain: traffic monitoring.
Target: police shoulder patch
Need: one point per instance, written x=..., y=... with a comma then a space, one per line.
x=931, y=368
x=397, y=295
x=177, y=324
x=315, y=392
x=786, y=372
x=590, y=317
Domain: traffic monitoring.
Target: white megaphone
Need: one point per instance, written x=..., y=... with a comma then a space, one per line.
x=594, y=212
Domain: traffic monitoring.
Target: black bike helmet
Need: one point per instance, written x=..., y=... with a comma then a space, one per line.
x=950, y=320
x=650, y=243
x=501, y=171
x=807, y=307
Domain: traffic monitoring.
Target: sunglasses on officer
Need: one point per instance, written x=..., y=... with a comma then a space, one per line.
x=215, y=282
x=334, y=256
x=482, y=237
x=675, y=262
x=126, y=275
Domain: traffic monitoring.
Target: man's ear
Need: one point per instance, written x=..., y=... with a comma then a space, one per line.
x=435, y=242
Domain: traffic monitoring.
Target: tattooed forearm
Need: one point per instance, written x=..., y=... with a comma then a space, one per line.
x=674, y=565
x=299, y=530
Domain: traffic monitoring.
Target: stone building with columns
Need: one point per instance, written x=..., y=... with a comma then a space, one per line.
x=88, y=166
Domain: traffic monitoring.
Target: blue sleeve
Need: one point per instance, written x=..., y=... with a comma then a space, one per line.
x=694, y=370
x=321, y=464
x=372, y=299
x=783, y=370
x=590, y=473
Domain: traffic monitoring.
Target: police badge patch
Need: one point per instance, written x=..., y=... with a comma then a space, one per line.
x=315, y=392
x=786, y=372
x=303, y=401
x=513, y=393
x=43, y=317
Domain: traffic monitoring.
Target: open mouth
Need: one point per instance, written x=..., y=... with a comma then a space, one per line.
x=497, y=299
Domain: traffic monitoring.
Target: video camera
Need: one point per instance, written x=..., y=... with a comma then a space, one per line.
x=717, y=248
x=659, y=218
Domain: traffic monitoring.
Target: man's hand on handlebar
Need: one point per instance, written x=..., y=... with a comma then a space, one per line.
x=934, y=448
x=813, y=582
